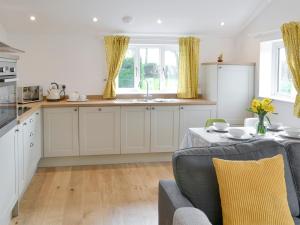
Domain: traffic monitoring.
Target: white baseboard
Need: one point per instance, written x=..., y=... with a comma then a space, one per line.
x=105, y=159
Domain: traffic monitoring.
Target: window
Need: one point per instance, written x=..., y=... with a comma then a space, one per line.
x=275, y=76
x=158, y=64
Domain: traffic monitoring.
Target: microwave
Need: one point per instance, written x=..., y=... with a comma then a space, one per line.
x=27, y=94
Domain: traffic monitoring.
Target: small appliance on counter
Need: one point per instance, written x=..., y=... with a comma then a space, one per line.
x=28, y=94
x=56, y=92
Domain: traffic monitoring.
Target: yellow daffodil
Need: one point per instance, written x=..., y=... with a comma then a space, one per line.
x=255, y=105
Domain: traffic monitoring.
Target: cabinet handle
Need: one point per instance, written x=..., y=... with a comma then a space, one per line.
x=99, y=109
x=31, y=145
x=16, y=130
x=37, y=113
x=24, y=124
x=153, y=108
x=75, y=110
x=31, y=134
x=147, y=108
x=181, y=107
x=31, y=120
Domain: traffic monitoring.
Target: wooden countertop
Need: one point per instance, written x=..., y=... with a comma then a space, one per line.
x=115, y=102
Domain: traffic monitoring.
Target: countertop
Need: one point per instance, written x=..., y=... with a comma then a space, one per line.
x=114, y=102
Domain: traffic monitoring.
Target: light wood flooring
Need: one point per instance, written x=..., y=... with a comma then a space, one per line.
x=124, y=194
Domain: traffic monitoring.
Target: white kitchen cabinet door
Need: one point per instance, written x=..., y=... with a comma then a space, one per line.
x=21, y=160
x=164, y=128
x=235, y=92
x=38, y=134
x=99, y=130
x=8, y=174
x=135, y=129
x=194, y=116
x=61, y=132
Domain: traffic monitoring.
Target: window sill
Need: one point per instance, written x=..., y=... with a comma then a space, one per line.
x=280, y=98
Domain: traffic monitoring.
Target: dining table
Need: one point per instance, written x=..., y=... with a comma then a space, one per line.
x=207, y=137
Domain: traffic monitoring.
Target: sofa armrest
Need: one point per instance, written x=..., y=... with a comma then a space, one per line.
x=170, y=198
x=190, y=216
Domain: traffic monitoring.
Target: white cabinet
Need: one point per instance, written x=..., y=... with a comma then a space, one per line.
x=164, y=128
x=8, y=174
x=61, y=132
x=232, y=87
x=135, y=129
x=99, y=130
x=194, y=116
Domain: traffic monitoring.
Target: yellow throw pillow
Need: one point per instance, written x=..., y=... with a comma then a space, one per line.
x=253, y=192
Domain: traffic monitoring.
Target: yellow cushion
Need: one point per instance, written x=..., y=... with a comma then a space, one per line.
x=253, y=192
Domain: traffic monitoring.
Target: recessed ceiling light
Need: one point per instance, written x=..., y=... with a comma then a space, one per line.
x=222, y=24
x=95, y=19
x=159, y=21
x=32, y=18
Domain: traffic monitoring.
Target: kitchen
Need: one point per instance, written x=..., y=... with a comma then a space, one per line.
x=56, y=118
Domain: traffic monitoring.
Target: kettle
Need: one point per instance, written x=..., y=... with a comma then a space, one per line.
x=54, y=93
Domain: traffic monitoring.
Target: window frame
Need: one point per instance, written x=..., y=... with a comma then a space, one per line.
x=137, y=67
x=275, y=94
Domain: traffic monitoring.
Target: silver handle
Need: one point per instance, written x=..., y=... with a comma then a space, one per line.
x=153, y=108
x=181, y=107
x=99, y=109
x=31, y=134
x=220, y=67
x=37, y=113
x=31, y=145
x=8, y=80
x=147, y=108
x=16, y=130
x=31, y=120
x=75, y=110
x=24, y=124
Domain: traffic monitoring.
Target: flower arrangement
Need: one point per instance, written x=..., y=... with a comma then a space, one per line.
x=262, y=108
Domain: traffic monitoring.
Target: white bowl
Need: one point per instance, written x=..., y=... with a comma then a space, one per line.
x=293, y=132
x=221, y=125
x=236, y=132
x=275, y=126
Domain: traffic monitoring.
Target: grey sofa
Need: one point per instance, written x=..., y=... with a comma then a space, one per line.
x=195, y=189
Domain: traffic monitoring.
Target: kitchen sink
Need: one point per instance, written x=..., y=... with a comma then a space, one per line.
x=142, y=100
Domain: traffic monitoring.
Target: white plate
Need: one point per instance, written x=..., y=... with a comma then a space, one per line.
x=218, y=130
x=69, y=100
x=276, y=130
x=243, y=138
x=284, y=134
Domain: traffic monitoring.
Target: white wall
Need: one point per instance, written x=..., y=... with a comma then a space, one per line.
x=3, y=35
x=267, y=27
x=79, y=60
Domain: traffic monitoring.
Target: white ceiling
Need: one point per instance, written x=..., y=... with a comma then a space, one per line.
x=178, y=16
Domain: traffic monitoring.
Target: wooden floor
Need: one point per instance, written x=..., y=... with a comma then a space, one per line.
x=123, y=194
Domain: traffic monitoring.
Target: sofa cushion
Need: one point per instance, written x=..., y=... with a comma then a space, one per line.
x=196, y=177
x=253, y=191
x=293, y=153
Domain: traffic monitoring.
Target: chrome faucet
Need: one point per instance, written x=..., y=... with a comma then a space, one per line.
x=147, y=96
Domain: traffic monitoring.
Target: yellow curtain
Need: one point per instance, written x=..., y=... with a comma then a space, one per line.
x=116, y=47
x=291, y=38
x=188, y=67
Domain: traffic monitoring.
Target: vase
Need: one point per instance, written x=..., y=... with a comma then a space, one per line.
x=261, y=128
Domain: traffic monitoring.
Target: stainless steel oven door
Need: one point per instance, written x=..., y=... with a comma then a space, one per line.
x=8, y=104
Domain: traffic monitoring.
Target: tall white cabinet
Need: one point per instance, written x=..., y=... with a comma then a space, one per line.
x=232, y=87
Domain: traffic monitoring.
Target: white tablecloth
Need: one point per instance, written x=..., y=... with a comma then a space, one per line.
x=200, y=137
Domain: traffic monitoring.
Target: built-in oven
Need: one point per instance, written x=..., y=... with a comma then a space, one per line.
x=8, y=96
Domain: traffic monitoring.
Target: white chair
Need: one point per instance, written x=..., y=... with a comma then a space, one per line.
x=251, y=122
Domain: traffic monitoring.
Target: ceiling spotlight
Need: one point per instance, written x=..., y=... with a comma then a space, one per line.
x=32, y=18
x=159, y=21
x=222, y=24
x=95, y=19
x=127, y=19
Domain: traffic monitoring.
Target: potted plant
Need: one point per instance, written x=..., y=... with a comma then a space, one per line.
x=262, y=108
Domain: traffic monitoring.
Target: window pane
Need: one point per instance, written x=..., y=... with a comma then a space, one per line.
x=126, y=75
x=150, y=68
x=284, y=86
x=170, y=76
